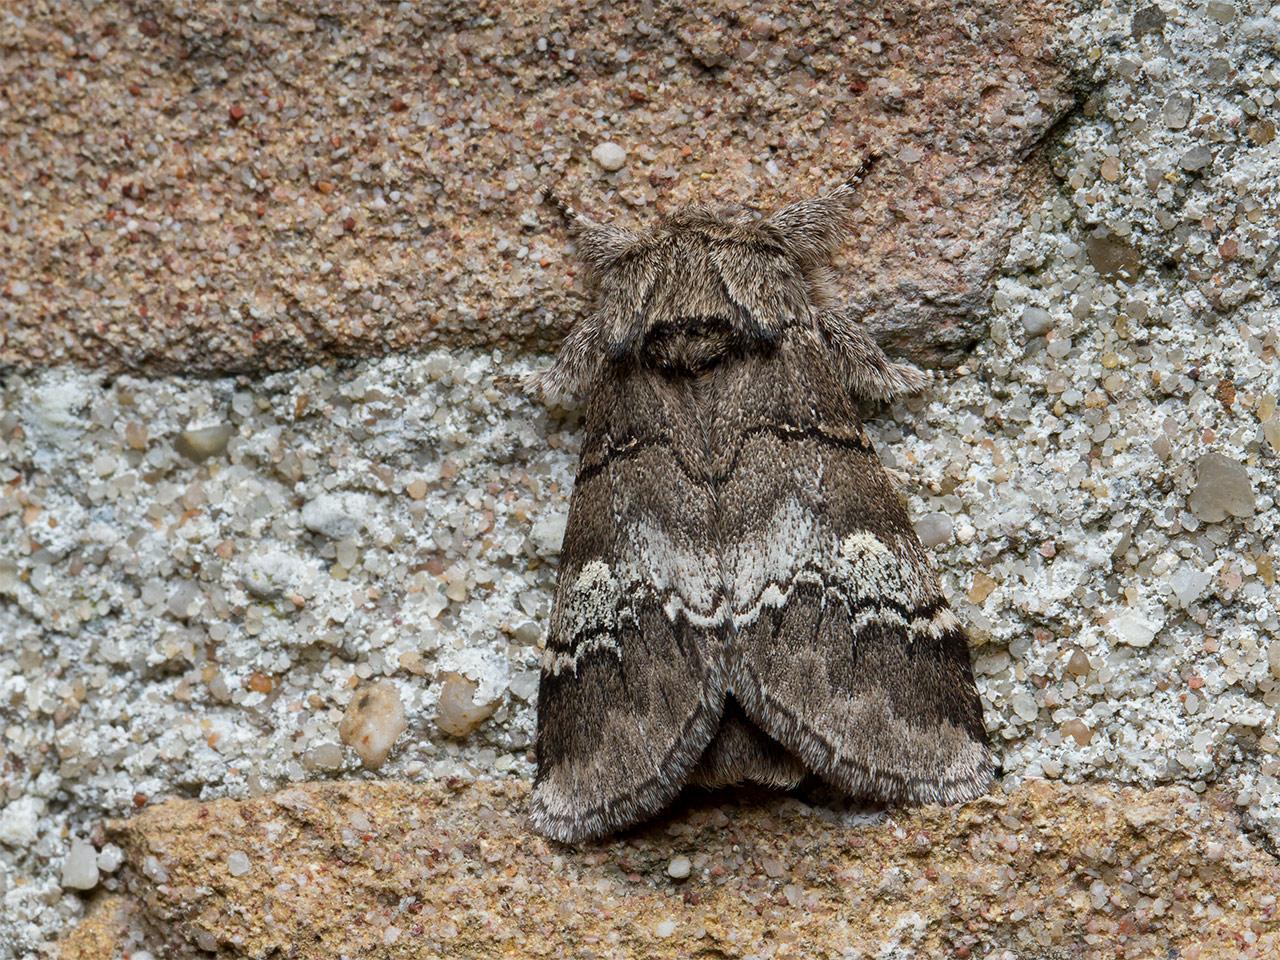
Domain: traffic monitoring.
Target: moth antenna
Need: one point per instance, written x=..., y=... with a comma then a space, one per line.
x=599, y=245
x=812, y=229
x=574, y=220
x=862, y=171
x=866, y=164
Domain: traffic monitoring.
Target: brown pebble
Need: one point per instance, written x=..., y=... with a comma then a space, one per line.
x=1078, y=731
x=981, y=587
x=1079, y=665
x=259, y=683
x=1262, y=132
x=236, y=113
x=1226, y=393
x=373, y=720
x=135, y=436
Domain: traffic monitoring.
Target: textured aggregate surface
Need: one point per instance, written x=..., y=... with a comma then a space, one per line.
x=197, y=574
x=448, y=870
x=218, y=186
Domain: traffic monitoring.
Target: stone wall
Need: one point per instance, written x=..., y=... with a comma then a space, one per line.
x=260, y=266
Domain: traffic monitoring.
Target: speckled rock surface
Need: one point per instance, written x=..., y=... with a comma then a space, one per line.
x=218, y=187
x=398, y=870
x=111, y=930
x=197, y=574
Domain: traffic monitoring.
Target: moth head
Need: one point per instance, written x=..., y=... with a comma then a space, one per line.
x=707, y=279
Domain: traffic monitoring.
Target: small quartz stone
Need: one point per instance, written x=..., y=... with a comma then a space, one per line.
x=1025, y=706
x=153, y=869
x=205, y=940
x=1036, y=321
x=373, y=721
x=457, y=713
x=324, y=756
x=19, y=822
x=981, y=588
x=336, y=515
x=135, y=436
x=548, y=533
x=1134, y=629
x=1078, y=731
x=1197, y=158
x=110, y=858
x=1177, y=111
x=935, y=529
x=525, y=685
x=204, y=442
x=1224, y=13
x=1188, y=583
x=237, y=864
x=1078, y=665
x=1148, y=20
x=678, y=868
x=609, y=155
x=1222, y=489
x=80, y=869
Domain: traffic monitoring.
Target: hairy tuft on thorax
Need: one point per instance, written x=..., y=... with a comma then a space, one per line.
x=702, y=282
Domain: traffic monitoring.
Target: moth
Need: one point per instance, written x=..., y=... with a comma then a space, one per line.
x=741, y=595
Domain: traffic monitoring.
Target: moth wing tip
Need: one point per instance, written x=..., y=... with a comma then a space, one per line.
x=553, y=815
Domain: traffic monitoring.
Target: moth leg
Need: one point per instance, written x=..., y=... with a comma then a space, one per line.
x=865, y=369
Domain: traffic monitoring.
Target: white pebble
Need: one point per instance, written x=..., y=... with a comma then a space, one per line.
x=80, y=869
x=609, y=155
x=1025, y=706
x=110, y=858
x=1134, y=628
x=1036, y=321
x=18, y=822
x=678, y=868
x=153, y=869
x=238, y=864
x=935, y=529
x=457, y=712
x=337, y=515
x=548, y=533
x=665, y=929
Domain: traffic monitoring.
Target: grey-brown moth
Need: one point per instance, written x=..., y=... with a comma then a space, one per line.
x=741, y=595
